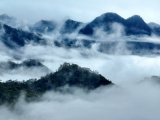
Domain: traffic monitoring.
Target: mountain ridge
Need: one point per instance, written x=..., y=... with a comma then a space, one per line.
x=67, y=74
x=134, y=25
x=14, y=38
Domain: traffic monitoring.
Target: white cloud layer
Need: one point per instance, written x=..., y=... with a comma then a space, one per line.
x=135, y=102
x=130, y=101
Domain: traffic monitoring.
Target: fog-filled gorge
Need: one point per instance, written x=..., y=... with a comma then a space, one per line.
x=129, y=61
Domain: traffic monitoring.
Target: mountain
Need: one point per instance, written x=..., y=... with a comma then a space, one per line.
x=153, y=25
x=155, y=28
x=27, y=66
x=152, y=79
x=155, y=79
x=11, y=21
x=43, y=27
x=104, y=21
x=5, y=18
x=134, y=25
x=70, y=26
x=129, y=47
x=74, y=43
x=14, y=38
x=73, y=75
x=67, y=74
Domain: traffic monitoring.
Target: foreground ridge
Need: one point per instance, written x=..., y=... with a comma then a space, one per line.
x=68, y=74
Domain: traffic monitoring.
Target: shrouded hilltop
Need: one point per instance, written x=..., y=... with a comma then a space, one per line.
x=134, y=25
x=68, y=74
x=76, y=34
x=72, y=75
x=27, y=64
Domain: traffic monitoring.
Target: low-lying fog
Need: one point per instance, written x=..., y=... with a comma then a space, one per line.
x=131, y=100
x=120, y=69
x=131, y=103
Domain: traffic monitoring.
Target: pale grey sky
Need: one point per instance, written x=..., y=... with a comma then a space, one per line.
x=81, y=10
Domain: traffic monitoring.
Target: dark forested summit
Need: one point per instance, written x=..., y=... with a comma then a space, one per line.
x=73, y=75
x=68, y=74
x=134, y=25
x=104, y=21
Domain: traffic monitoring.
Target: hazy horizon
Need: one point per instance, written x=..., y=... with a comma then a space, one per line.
x=83, y=11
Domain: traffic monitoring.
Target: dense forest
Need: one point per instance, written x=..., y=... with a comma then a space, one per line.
x=67, y=75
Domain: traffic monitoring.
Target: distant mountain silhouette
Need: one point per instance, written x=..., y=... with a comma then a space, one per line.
x=11, y=21
x=130, y=47
x=70, y=26
x=134, y=25
x=43, y=27
x=74, y=43
x=14, y=38
x=27, y=65
x=155, y=79
x=5, y=17
x=155, y=28
x=104, y=21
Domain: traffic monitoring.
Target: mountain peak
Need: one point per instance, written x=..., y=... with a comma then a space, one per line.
x=45, y=21
x=5, y=16
x=108, y=17
x=104, y=21
x=110, y=14
x=43, y=26
x=135, y=18
x=74, y=75
x=70, y=20
x=155, y=28
x=153, y=25
x=70, y=26
x=136, y=25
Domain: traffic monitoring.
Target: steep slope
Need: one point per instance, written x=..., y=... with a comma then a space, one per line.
x=14, y=38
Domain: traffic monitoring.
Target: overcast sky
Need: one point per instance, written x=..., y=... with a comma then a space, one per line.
x=81, y=10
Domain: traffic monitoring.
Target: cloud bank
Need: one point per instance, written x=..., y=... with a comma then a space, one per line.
x=132, y=99
x=130, y=103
